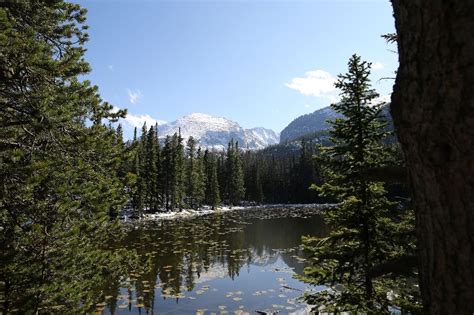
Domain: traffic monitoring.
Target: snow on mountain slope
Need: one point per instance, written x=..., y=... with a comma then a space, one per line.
x=260, y=137
x=216, y=132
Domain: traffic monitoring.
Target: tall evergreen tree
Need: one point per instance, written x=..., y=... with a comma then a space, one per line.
x=222, y=174
x=141, y=195
x=58, y=163
x=213, y=197
x=234, y=176
x=173, y=172
x=167, y=172
x=190, y=170
x=211, y=191
x=199, y=193
x=365, y=221
x=158, y=189
x=151, y=172
x=178, y=178
x=194, y=175
x=136, y=192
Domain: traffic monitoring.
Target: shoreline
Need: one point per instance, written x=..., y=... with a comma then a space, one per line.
x=206, y=210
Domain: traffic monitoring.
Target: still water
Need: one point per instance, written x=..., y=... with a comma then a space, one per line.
x=232, y=262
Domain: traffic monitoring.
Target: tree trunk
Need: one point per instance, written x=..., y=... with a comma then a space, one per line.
x=433, y=112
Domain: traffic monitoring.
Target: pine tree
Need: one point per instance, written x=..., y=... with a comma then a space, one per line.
x=213, y=193
x=158, y=189
x=151, y=172
x=167, y=172
x=211, y=179
x=194, y=175
x=364, y=222
x=173, y=172
x=58, y=164
x=222, y=174
x=200, y=186
x=178, y=152
x=119, y=135
x=141, y=196
x=135, y=195
x=235, y=191
x=207, y=175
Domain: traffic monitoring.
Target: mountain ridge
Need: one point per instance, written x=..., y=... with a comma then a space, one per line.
x=214, y=132
x=316, y=122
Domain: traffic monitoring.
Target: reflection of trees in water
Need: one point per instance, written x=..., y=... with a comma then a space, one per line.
x=265, y=236
x=180, y=251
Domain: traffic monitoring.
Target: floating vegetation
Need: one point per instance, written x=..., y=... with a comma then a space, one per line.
x=201, y=255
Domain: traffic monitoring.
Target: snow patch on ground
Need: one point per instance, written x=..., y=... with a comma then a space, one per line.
x=188, y=213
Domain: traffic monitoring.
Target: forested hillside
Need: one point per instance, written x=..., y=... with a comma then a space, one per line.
x=315, y=125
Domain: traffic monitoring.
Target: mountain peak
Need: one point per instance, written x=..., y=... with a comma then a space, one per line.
x=215, y=132
x=198, y=116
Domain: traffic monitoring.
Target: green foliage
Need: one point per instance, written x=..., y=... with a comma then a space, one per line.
x=369, y=230
x=171, y=180
x=195, y=180
x=58, y=163
x=235, y=191
x=212, y=193
x=151, y=169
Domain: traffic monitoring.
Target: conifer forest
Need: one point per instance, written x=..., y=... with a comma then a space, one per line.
x=364, y=206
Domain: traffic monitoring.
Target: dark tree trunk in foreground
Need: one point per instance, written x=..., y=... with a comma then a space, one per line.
x=433, y=111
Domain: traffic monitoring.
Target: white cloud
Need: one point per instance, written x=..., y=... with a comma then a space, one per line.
x=377, y=65
x=334, y=98
x=111, y=67
x=134, y=96
x=317, y=83
x=307, y=105
x=382, y=99
x=138, y=120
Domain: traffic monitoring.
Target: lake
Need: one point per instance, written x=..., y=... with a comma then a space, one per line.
x=232, y=262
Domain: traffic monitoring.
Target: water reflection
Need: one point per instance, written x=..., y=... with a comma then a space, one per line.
x=233, y=261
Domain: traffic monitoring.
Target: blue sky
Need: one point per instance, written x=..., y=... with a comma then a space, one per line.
x=258, y=62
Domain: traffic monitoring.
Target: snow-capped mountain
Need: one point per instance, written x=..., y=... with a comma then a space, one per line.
x=215, y=132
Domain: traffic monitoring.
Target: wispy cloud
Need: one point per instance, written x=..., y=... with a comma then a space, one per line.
x=111, y=67
x=134, y=95
x=377, y=65
x=318, y=83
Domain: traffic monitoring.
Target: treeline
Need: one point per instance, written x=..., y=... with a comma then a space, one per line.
x=166, y=175
x=282, y=174
x=171, y=173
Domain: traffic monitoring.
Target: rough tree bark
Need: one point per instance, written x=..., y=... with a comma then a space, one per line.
x=433, y=112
